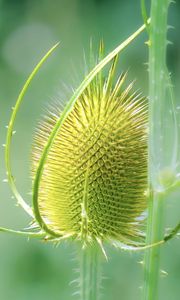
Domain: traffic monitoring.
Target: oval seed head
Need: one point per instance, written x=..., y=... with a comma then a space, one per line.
x=94, y=180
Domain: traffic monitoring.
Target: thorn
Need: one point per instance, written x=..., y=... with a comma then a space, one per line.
x=76, y=270
x=12, y=107
x=5, y=180
x=4, y=145
x=76, y=293
x=146, y=64
x=102, y=248
x=6, y=126
x=148, y=43
x=75, y=282
x=163, y=273
x=13, y=132
x=56, y=244
x=169, y=43
x=141, y=262
x=170, y=27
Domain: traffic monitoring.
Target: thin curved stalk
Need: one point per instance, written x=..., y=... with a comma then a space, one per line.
x=90, y=273
x=23, y=233
x=166, y=238
x=19, y=100
x=144, y=15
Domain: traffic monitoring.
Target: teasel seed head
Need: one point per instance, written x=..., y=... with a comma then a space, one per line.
x=94, y=181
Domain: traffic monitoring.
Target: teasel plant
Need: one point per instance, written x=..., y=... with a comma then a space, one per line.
x=90, y=170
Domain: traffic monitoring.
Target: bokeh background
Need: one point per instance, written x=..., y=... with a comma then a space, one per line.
x=28, y=28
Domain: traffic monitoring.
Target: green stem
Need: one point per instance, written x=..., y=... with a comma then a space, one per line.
x=90, y=273
x=157, y=92
x=152, y=255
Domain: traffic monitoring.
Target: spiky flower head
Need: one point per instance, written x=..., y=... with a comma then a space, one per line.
x=94, y=180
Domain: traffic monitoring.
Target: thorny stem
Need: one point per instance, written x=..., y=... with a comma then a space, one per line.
x=157, y=91
x=90, y=273
x=152, y=255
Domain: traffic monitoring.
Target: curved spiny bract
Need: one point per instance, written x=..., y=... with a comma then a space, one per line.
x=94, y=180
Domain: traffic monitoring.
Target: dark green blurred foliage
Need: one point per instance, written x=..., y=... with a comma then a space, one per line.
x=33, y=269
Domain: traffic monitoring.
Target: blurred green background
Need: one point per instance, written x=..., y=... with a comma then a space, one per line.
x=28, y=28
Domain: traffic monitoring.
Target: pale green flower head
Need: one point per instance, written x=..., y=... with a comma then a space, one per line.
x=94, y=180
